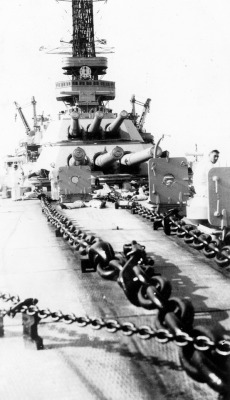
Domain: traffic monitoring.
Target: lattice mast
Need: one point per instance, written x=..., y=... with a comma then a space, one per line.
x=83, y=28
x=86, y=89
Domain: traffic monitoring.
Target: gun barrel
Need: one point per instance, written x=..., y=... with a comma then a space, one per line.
x=96, y=122
x=106, y=159
x=138, y=157
x=75, y=128
x=115, y=125
x=79, y=154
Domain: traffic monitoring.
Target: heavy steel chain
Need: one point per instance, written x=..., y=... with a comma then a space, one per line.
x=172, y=222
x=144, y=289
x=144, y=332
x=169, y=221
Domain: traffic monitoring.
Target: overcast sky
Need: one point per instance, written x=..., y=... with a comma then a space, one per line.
x=176, y=52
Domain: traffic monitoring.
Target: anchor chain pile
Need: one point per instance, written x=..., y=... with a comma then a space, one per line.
x=215, y=246
x=204, y=353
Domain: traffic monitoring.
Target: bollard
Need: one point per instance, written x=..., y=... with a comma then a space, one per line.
x=58, y=232
x=86, y=264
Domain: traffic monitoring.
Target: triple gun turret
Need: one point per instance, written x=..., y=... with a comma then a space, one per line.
x=76, y=131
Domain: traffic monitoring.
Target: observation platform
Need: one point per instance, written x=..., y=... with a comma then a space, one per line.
x=86, y=90
x=94, y=364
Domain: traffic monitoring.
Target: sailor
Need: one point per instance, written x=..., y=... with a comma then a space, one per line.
x=53, y=177
x=16, y=184
x=200, y=173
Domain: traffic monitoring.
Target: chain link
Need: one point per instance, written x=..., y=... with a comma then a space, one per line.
x=192, y=235
x=170, y=326
x=145, y=332
x=181, y=339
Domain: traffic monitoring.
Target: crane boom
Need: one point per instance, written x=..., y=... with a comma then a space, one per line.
x=25, y=123
x=146, y=108
x=34, y=112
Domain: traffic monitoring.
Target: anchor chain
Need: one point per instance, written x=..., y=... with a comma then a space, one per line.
x=145, y=332
x=78, y=240
x=203, y=356
x=171, y=222
x=175, y=316
x=203, y=353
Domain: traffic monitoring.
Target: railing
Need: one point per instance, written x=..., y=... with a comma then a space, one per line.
x=84, y=83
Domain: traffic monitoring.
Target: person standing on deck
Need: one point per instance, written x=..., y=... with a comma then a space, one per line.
x=53, y=177
x=15, y=195
x=200, y=173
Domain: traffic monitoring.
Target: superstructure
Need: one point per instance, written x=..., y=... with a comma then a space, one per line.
x=113, y=146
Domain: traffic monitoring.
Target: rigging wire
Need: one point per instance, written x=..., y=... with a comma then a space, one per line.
x=26, y=105
x=68, y=13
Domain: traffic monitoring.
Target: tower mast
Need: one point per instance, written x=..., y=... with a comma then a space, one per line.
x=85, y=90
x=83, y=29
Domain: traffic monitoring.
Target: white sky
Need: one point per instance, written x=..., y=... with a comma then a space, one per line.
x=176, y=52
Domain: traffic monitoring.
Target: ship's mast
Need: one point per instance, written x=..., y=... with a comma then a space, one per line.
x=85, y=89
x=83, y=30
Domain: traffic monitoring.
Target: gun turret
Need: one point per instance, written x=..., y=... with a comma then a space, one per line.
x=95, y=126
x=138, y=157
x=115, y=125
x=107, y=158
x=75, y=129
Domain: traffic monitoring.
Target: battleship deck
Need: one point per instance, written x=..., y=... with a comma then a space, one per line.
x=81, y=362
